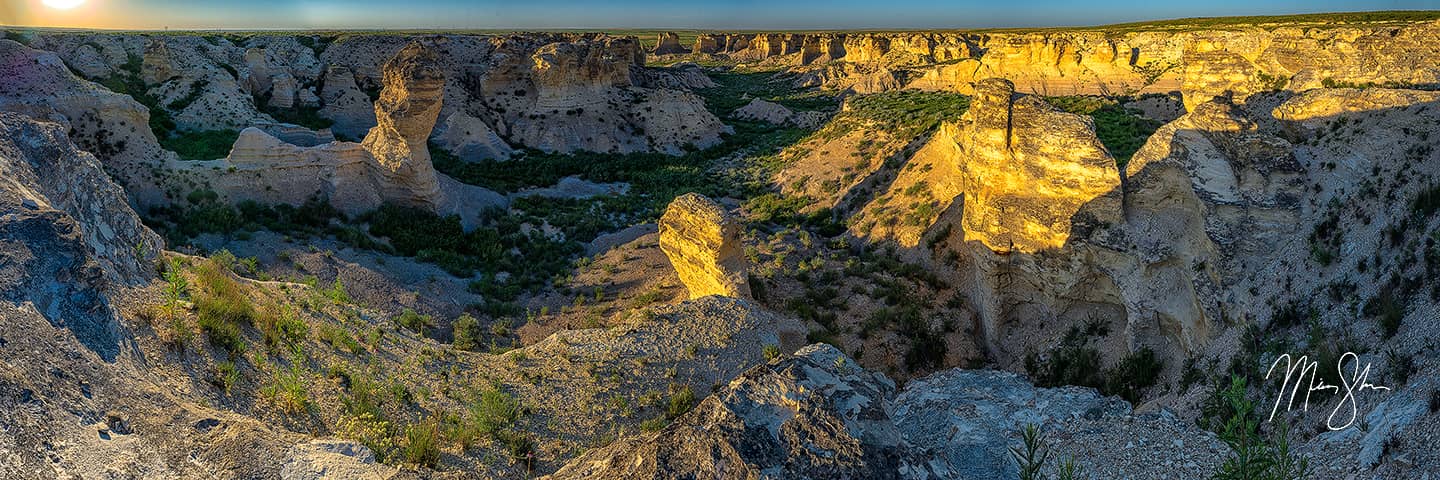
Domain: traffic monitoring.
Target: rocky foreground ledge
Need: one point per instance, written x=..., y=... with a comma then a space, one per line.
x=816, y=415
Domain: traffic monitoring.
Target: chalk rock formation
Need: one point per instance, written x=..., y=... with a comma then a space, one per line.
x=405, y=115
x=1027, y=176
x=1234, y=62
x=763, y=111
x=156, y=67
x=472, y=140
x=114, y=127
x=346, y=104
x=702, y=241
x=1314, y=109
x=67, y=233
x=1031, y=173
x=668, y=43
x=1205, y=189
x=817, y=415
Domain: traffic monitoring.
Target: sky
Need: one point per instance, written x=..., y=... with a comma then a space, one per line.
x=648, y=14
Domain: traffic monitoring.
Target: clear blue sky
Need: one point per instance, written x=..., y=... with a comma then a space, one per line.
x=675, y=14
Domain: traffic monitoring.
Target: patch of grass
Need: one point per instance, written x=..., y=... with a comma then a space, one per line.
x=422, y=444
x=1122, y=131
x=287, y=392
x=905, y=113
x=222, y=306
x=206, y=145
x=681, y=401
x=772, y=352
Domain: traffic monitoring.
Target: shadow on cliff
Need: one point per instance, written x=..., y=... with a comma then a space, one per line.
x=1011, y=291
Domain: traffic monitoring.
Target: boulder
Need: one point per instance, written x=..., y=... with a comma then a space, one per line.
x=702, y=241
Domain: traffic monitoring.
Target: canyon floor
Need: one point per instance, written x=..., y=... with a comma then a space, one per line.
x=1057, y=253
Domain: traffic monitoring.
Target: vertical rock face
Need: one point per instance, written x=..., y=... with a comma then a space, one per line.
x=346, y=104
x=708, y=43
x=702, y=241
x=1032, y=173
x=156, y=67
x=668, y=43
x=1028, y=175
x=1199, y=187
x=405, y=115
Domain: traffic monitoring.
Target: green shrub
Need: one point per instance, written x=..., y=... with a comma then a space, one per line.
x=772, y=352
x=336, y=293
x=467, y=332
x=1133, y=374
x=494, y=410
x=206, y=145
x=287, y=392
x=414, y=321
x=226, y=376
x=422, y=444
x=1031, y=456
x=1253, y=456
x=681, y=401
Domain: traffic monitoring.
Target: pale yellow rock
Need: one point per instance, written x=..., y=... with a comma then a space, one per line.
x=1024, y=175
x=405, y=115
x=702, y=241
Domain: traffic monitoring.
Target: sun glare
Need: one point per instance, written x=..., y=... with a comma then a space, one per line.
x=63, y=4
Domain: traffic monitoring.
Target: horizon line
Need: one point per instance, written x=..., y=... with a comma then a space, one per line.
x=655, y=29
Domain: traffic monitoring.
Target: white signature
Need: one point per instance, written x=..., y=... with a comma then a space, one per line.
x=1356, y=382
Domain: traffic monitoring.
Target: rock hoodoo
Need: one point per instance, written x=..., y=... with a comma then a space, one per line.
x=1029, y=172
x=702, y=241
x=405, y=115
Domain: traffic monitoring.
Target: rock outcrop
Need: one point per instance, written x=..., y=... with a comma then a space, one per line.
x=668, y=43
x=817, y=415
x=702, y=241
x=472, y=139
x=1233, y=62
x=405, y=115
x=393, y=164
x=1204, y=189
x=1023, y=175
x=346, y=104
x=67, y=234
x=763, y=111
x=113, y=127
